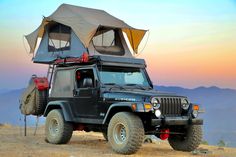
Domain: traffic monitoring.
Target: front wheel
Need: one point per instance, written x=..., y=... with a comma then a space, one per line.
x=125, y=133
x=57, y=130
x=189, y=141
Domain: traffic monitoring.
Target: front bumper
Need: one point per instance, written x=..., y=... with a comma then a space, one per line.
x=176, y=121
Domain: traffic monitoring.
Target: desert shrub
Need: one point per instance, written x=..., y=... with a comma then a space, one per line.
x=221, y=143
x=204, y=142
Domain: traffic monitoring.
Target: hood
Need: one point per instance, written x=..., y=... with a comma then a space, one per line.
x=137, y=95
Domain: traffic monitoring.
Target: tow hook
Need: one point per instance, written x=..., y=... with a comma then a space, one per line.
x=165, y=133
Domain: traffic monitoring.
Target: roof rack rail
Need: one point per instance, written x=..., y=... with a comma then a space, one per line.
x=73, y=60
x=102, y=60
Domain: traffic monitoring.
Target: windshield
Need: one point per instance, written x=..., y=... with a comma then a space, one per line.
x=123, y=76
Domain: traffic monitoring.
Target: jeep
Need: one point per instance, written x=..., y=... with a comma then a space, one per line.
x=116, y=97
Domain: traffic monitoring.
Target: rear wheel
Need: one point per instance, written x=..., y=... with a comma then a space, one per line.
x=125, y=133
x=57, y=130
x=189, y=141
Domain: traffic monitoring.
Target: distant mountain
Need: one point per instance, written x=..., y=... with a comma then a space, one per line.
x=9, y=108
x=4, y=91
x=219, y=104
x=220, y=98
x=220, y=111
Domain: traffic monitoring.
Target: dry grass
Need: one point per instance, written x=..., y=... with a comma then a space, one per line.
x=14, y=144
x=6, y=125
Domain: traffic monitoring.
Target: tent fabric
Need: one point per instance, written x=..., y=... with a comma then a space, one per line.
x=44, y=56
x=120, y=48
x=85, y=22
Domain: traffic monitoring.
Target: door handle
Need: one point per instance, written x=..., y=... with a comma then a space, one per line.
x=75, y=92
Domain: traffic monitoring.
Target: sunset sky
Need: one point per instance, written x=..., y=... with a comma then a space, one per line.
x=190, y=43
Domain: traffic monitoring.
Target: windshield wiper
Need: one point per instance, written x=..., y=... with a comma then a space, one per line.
x=136, y=85
x=113, y=85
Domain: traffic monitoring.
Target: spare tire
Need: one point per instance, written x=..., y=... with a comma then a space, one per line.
x=40, y=101
x=33, y=101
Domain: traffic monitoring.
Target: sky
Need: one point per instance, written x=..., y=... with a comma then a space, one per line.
x=189, y=43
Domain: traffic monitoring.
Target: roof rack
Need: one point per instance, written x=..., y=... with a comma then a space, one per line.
x=73, y=60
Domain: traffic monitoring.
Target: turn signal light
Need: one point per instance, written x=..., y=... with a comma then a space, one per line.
x=195, y=107
x=147, y=106
x=134, y=107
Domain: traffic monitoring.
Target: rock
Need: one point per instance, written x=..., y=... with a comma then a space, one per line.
x=201, y=151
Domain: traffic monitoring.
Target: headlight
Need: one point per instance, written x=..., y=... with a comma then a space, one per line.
x=184, y=104
x=157, y=113
x=195, y=111
x=155, y=103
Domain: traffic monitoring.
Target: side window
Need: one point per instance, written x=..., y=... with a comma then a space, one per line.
x=59, y=38
x=85, y=78
x=63, y=84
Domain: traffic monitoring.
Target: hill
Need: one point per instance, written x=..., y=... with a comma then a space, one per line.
x=219, y=104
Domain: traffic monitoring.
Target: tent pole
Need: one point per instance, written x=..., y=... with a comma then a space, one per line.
x=25, y=124
x=132, y=39
x=36, y=125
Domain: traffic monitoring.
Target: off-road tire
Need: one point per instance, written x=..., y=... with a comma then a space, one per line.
x=188, y=142
x=57, y=130
x=40, y=101
x=134, y=133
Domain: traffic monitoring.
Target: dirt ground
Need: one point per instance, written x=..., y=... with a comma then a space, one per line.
x=14, y=144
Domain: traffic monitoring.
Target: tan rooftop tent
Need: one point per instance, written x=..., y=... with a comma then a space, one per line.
x=85, y=24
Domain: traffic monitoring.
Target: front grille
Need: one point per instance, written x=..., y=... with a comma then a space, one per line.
x=170, y=106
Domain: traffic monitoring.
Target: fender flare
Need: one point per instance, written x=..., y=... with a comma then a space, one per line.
x=63, y=105
x=126, y=105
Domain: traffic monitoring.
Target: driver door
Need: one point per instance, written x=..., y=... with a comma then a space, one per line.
x=85, y=94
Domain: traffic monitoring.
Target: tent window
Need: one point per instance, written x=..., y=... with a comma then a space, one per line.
x=107, y=41
x=59, y=38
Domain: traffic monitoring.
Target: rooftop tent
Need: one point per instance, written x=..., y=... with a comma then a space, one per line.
x=72, y=30
x=58, y=41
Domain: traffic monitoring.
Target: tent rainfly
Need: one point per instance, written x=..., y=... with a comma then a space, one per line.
x=72, y=30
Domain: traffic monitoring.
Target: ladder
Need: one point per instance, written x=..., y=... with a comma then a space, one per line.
x=50, y=73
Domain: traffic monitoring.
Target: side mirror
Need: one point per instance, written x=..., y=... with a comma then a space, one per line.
x=87, y=82
x=97, y=83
